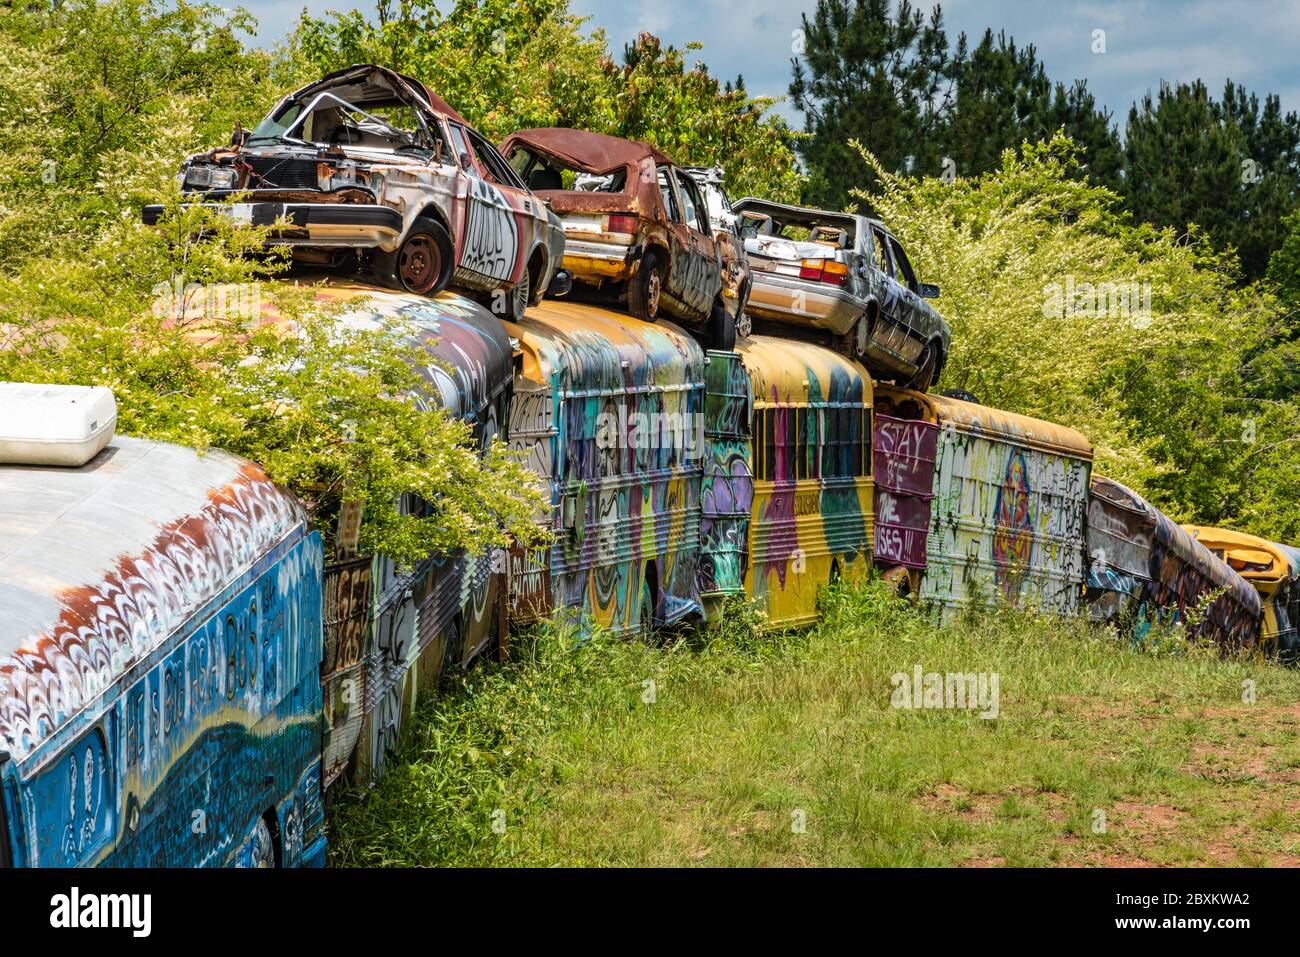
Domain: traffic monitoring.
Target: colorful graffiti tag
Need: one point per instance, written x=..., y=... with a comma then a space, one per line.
x=1008, y=508
x=813, y=512
x=612, y=426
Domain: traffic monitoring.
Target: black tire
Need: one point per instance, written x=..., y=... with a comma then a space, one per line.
x=517, y=298
x=924, y=377
x=854, y=342
x=722, y=328
x=423, y=262
x=644, y=288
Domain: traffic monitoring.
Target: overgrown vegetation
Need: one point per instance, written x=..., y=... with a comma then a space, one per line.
x=578, y=759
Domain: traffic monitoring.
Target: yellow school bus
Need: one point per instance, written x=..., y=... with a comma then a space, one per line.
x=1274, y=571
x=810, y=446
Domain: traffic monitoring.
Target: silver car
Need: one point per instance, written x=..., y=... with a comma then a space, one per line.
x=844, y=278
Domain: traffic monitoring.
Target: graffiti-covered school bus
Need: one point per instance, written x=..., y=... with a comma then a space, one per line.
x=391, y=632
x=608, y=413
x=1008, y=505
x=1143, y=570
x=1274, y=572
x=810, y=456
x=160, y=658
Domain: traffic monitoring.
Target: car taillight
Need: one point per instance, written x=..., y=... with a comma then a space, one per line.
x=620, y=224
x=824, y=270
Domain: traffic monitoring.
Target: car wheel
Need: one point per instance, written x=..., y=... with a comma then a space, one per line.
x=424, y=259
x=924, y=377
x=744, y=326
x=645, y=287
x=722, y=328
x=854, y=342
x=519, y=298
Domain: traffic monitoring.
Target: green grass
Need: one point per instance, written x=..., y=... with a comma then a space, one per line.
x=749, y=735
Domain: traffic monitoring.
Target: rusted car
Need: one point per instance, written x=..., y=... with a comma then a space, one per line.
x=726, y=226
x=843, y=278
x=370, y=168
x=636, y=225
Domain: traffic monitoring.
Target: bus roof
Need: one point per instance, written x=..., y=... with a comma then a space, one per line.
x=789, y=372
x=1282, y=560
x=996, y=423
x=1172, y=536
x=99, y=565
x=593, y=348
x=472, y=353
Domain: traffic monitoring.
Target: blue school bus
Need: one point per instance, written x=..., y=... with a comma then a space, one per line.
x=160, y=653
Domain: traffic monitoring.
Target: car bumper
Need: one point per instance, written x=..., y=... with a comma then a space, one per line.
x=802, y=302
x=311, y=224
x=586, y=259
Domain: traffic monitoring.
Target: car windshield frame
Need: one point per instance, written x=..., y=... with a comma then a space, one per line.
x=326, y=96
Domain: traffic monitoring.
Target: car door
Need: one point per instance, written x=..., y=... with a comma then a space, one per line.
x=530, y=213
x=702, y=281
x=914, y=307
x=894, y=332
x=489, y=240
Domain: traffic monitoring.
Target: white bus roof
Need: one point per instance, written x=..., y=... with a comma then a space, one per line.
x=99, y=565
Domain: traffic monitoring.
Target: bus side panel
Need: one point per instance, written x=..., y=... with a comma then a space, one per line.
x=629, y=507
x=903, y=452
x=222, y=731
x=727, y=486
x=1183, y=572
x=1008, y=521
x=1287, y=609
x=348, y=590
x=1118, y=578
x=533, y=437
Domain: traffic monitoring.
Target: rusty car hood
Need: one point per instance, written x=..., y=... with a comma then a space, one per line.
x=588, y=152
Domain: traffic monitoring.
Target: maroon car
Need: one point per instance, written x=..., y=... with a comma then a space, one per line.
x=636, y=225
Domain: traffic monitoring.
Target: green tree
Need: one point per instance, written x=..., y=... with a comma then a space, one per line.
x=507, y=66
x=882, y=80
x=891, y=83
x=116, y=92
x=1063, y=308
x=1227, y=166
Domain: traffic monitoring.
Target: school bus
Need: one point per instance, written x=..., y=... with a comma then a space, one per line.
x=1274, y=571
x=391, y=632
x=1007, y=512
x=1144, y=570
x=160, y=699
x=812, y=515
x=607, y=411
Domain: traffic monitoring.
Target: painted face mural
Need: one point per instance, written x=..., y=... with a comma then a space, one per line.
x=1013, y=537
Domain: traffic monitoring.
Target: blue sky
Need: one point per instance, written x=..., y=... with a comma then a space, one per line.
x=1253, y=42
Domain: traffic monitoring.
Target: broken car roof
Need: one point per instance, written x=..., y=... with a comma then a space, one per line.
x=584, y=151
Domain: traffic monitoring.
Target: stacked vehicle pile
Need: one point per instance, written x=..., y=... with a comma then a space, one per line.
x=755, y=422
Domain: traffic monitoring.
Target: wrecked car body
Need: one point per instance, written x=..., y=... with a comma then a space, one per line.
x=636, y=225
x=843, y=278
x=725, y=223
x=371, y=168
